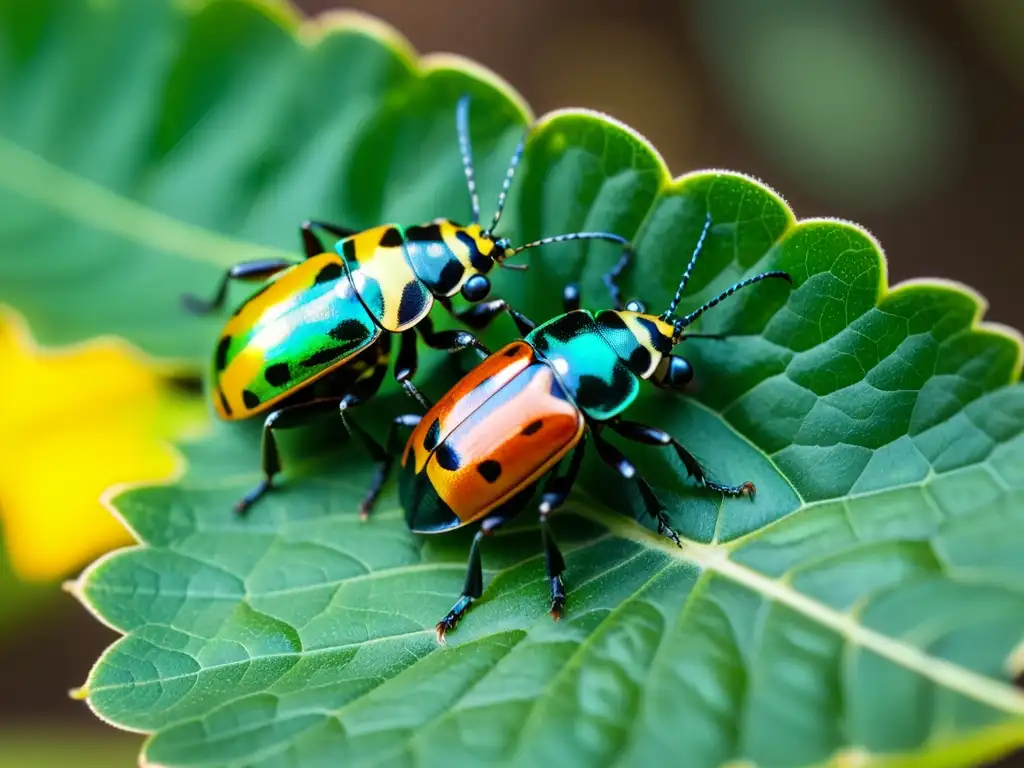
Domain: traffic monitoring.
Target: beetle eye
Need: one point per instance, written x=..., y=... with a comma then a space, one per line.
x=476, y=288
x=680, y=372
x=636, y=306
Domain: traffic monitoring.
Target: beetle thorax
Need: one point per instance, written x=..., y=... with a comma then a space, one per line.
x=641, y=340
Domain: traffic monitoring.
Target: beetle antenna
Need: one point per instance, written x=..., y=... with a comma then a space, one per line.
x=681, y=322
x=689, y=269
x=516, y=267
x=612, y=275
x=571, y=236
x=507, y=184
x=462, y=124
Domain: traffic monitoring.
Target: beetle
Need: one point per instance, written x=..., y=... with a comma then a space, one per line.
x=480, y=452
x=316, y=337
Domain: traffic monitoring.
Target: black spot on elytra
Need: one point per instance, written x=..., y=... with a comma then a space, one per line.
x=323, y=356
x=347, y=330
x=224, y=402
x=640, y=360
x=277, y=375
x=220, y=360
x=481, y=263
x=411, y=304
x=348, y=250
x=451, y=274
x=595, y=392
x=447, y=458
x=428, y=233
x=391, y=238
x=489, y=470
x=533, y=427
x=613, y=320
x=250, y=399
x=512, y=351
x=433, y=433
x=328, y=273
x=570, y=325
x=590, y=389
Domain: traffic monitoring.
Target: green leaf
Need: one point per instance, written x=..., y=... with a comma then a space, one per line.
x=866, y=609
x=224, y=133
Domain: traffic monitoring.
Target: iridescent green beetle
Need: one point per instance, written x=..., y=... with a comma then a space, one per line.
x=317, y=337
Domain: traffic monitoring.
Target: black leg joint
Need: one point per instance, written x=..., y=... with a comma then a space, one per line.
x=407, y=361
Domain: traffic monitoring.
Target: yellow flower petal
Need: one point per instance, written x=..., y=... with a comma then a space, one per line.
x=73, y=422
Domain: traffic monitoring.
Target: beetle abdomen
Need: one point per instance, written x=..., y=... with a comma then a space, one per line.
x=302, y=325
x=456, y=470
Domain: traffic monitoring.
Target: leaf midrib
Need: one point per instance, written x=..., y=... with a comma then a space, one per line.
x=715, y=558
x=33, y=177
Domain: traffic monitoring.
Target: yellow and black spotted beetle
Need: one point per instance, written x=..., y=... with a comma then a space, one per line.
x=317, y=337
x=480, y=452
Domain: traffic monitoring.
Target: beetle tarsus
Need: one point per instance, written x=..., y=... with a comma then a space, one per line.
x=195, y=305
x=451, y=620
x=245, y=503
x=743, y=489
x=666, y=530
x=370, y=499
x=557, y=598
x=441, y=629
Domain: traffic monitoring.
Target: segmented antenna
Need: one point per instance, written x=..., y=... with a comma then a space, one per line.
x=689, y=268
x=609, y=278
x=507, y=184
x=571, y=236
x=682, y=322
x=462, y=124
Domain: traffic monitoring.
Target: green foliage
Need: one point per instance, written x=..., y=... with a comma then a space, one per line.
x=872, y=123
x=65, y=746
x=866, y=605
x=222, y=135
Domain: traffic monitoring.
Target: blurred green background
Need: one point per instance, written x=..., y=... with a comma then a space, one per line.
x=905, y=116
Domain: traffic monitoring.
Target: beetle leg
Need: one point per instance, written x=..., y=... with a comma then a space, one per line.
x=555, y=494
x=449, y=341
x=407, y=361
x=247, y=270
x=474, y=585
x=282, y=418
x=614, y=458
x=391, y=449
x=405, y=368
x=641, y=433
x=311, y=243
x=479, y=316
x=656, y=510
x=373, y=448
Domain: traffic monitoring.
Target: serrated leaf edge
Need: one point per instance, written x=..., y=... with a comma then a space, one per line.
x=197, y=242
